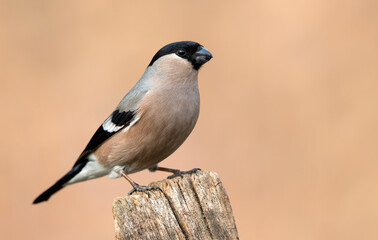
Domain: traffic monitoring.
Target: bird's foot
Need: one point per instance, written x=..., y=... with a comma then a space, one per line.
x=179, y=173
x=145, y=189
x=176, y=172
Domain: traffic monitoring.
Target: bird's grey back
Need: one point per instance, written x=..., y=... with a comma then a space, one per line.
x=132, y=99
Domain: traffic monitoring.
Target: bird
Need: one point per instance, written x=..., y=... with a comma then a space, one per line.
x=150, y=122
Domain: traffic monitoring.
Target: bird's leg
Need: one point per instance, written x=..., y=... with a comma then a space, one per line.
x=137, y=187
x=176, y=172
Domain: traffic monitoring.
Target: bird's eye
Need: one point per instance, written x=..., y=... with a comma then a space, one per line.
x=181, y=52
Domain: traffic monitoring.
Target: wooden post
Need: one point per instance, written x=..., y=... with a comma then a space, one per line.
x=193, y=207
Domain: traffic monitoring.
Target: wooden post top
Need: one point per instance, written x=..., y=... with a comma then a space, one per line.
x=195, y=206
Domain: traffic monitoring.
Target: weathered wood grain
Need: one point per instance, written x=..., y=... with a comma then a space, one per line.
x=193, y=207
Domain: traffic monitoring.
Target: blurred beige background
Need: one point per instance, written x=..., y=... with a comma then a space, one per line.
x=288, y=119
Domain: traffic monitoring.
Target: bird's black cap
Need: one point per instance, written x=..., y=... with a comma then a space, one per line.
x=192, y=51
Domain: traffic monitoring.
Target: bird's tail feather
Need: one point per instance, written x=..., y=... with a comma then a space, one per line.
x=60, y=183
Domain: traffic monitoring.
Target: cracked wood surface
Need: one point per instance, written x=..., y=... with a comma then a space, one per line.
x=193, y=207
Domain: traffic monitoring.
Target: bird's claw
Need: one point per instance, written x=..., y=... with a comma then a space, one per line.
x=178, y=173
x=145, y=189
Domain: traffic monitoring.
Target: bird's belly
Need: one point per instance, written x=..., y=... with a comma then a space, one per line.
x=150, y=140
x=157, y=146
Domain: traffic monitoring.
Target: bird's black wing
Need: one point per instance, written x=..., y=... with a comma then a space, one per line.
x=113, y=124
x=117, y=121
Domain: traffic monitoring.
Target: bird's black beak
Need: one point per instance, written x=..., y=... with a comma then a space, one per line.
x=202, y=56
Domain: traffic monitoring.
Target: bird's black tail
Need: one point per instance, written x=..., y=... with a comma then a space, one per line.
x=60, y=183
x=47, y=194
